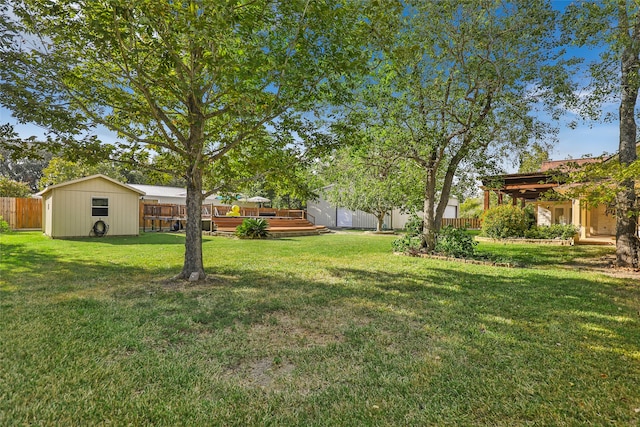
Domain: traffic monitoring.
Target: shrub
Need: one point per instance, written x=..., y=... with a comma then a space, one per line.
x=412, y=241
x=455, y=242
x=530, y=216
x=504, y=221
x=253, y=228
x=414, y=225
x=555, y=231
x=4, y=225
x=407, y=243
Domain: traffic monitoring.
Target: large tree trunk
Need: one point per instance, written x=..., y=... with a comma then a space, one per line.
x=430, y=226
x=433, y=212
x=626, y=215
x=193, y=243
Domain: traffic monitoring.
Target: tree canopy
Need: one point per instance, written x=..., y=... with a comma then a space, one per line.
x=12, y=188
x=613, y=27
x=188, y=84
x=372, y=177
x=531, y=160
x=21, y=165
x=457, y=81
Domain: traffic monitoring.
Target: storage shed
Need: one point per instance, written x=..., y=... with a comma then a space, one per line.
x=92, y=206
x=322, y=212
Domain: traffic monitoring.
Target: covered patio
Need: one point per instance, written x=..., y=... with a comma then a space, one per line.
x=596, y=223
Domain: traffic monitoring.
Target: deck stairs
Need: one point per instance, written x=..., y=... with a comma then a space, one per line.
x=278, y=226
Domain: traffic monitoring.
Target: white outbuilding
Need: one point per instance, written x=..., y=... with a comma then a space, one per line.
x=323, y=212
x=92, y=206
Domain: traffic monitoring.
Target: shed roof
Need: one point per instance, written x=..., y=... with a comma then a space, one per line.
x=162, y=191
x=87, y=178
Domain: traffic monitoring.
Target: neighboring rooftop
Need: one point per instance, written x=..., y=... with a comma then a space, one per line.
x=162, y=191
x=564, y=164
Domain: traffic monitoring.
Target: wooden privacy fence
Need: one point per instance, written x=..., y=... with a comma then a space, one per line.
x=472, y=223
x=21, y=213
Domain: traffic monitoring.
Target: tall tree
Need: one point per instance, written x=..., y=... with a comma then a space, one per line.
x=188, y=81
x=531, y=160
x=372, y=177
x=18, y=164
x=12, y=188
x=614, y=27
x=60, y=170
x=460, y=79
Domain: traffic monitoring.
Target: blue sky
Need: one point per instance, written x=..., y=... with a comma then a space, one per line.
x=587, y=138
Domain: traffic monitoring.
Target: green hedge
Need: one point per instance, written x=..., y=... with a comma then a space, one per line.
x=504, y=221
x=555, y=231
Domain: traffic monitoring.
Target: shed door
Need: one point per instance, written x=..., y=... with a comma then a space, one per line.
x=345, y=218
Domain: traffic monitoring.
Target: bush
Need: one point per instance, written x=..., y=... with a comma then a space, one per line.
x=555, y=231
x=503, y=222
x=4, y=225
x=412, y=241
x=530, y=216
x=407, y=243
x=455, y=242
x=253, y=228
x=414, y=225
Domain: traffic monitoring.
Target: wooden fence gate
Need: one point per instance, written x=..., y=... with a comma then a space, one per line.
x=21, y=213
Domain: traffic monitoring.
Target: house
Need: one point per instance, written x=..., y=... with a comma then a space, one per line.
x=322, y=212
x=92, y=206
x=529, y=188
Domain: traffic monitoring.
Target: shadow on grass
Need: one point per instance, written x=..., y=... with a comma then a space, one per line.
x=24, y=267
x=473, y=338
x=142, y=239
x=541, y=255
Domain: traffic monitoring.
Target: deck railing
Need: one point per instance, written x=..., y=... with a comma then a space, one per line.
x=471, y=223
x=165, y=215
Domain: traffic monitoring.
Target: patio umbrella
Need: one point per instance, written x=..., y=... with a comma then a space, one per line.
x=258, y=199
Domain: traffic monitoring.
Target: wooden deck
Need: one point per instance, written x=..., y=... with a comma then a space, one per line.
x=277, y=225
x=281, y=221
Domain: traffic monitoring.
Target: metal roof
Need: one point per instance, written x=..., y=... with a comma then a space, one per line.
x=162, y=191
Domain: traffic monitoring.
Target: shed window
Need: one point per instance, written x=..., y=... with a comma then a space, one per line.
x=99, y=206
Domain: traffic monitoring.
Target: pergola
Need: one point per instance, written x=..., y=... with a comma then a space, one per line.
x=529, y=186
x=521, y=186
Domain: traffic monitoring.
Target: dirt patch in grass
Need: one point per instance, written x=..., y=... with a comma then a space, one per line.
x=605, y=264
x=283, y=340
x=268, y=373
x=283, y=330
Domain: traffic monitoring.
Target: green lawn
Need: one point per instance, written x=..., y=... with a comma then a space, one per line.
x=330, y=330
